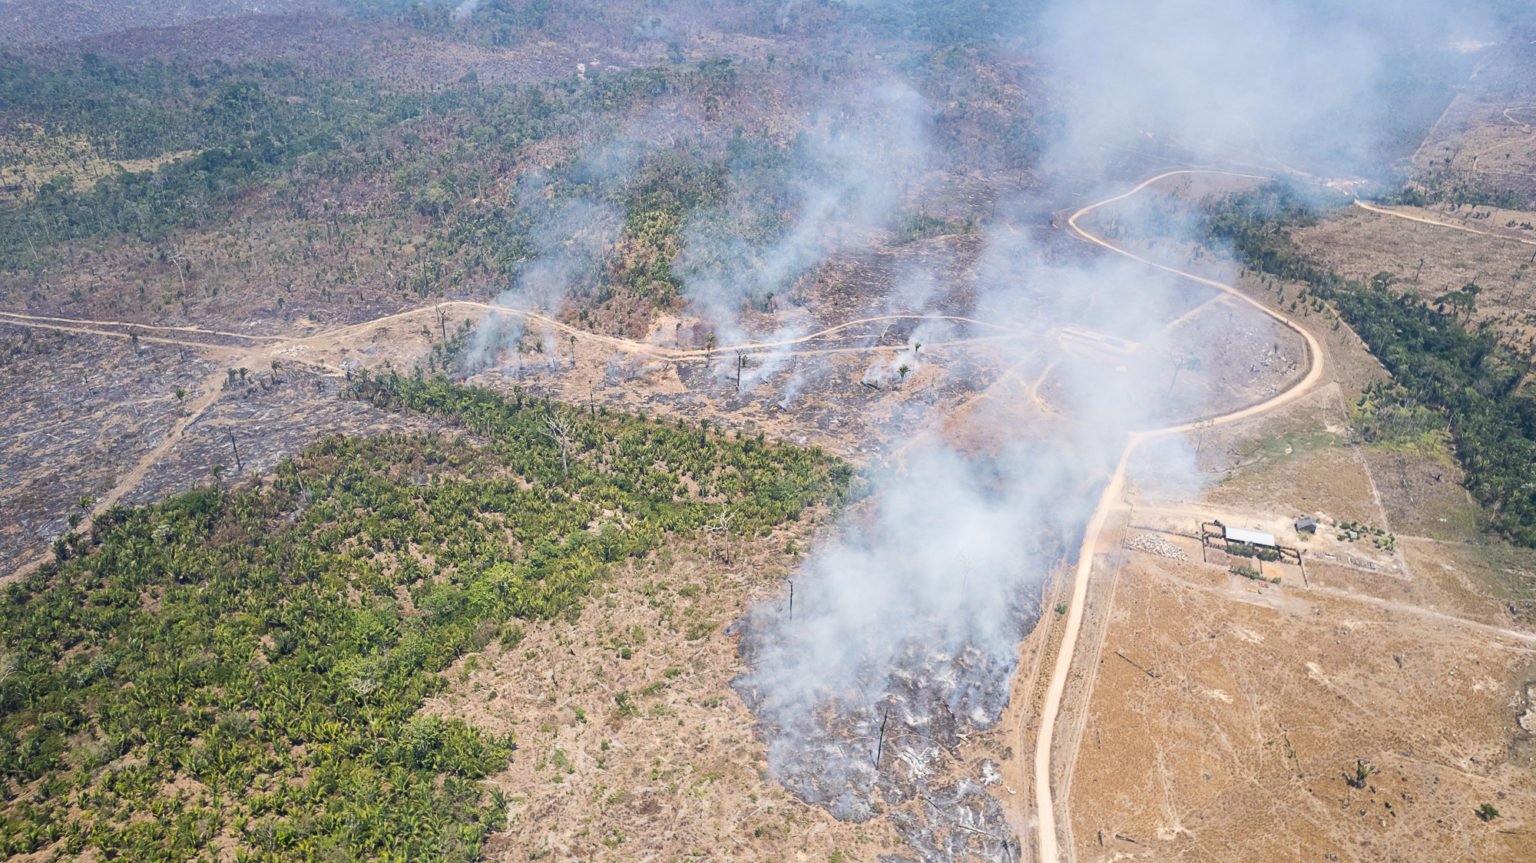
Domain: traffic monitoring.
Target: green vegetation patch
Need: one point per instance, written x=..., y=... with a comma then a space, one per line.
x=271, y=128
x=1390, y=419
x=241, y=670
x=1288, y=444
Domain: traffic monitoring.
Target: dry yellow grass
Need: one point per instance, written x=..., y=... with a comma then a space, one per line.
x=34, y=160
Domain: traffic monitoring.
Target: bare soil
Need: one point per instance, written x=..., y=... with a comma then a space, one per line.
x=631, y=743
x=1220, y=717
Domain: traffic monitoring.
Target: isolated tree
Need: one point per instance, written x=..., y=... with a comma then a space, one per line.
x=1362, y=774
x=176, y=259
x=718, y=531
x=559, y=431
x=1191, y=363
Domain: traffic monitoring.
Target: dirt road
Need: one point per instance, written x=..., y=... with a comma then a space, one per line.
x=1424, y=220
x=1044, y=804
x=130, y=327
x=254, y=351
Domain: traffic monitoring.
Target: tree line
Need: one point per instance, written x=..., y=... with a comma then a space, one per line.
x=1464, y=373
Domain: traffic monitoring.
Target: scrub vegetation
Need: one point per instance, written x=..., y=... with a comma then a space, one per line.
x=241, y=669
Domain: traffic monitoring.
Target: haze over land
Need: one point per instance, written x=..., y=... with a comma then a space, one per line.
x=466, y=430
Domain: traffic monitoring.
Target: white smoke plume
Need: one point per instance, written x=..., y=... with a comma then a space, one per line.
x=920, y=608
x=914, y=606
x=850, y=171
x=1321, y=86
x=570, y=239
x=462, y=11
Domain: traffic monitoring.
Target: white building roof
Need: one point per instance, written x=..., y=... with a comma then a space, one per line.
x=1252, y=537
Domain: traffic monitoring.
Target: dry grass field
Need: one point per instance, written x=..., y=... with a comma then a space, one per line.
x=1436, y=259
x=1363, y=710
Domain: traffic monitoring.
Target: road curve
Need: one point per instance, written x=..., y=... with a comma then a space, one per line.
x=1044, y=804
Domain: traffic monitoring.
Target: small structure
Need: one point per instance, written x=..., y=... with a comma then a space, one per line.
x=1306, y=524
x=1249, y=537
x=1240, y=542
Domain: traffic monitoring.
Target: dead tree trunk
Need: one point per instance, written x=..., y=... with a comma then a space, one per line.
x=880, y=746
x=559, y=431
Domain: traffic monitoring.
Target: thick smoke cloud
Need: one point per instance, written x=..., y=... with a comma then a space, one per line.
x=919, y=610
x=910, y=615
x=1319, y=84
x=911, y=612
x=848, y=173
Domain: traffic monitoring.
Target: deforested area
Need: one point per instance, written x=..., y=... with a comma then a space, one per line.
x=908, y=430
x=248, y=662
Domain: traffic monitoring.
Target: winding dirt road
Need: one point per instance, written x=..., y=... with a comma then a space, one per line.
x=246, y=350
x=1044, y=803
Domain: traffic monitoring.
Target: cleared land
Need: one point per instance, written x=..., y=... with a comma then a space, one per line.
x=1213, y=716
x=1436, y=257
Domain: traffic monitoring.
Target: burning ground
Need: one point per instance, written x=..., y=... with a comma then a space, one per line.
x=878, y=694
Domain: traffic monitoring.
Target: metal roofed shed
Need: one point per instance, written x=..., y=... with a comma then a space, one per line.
x=1248, y=544
x=1306, y=524
x=1251, y=537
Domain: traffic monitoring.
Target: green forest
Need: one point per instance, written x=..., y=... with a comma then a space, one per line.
x=1467, y=376
x=241, y=669
x=269, y=140
x=272, y=127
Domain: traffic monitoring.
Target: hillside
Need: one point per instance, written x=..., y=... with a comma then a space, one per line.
x=916, y=431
